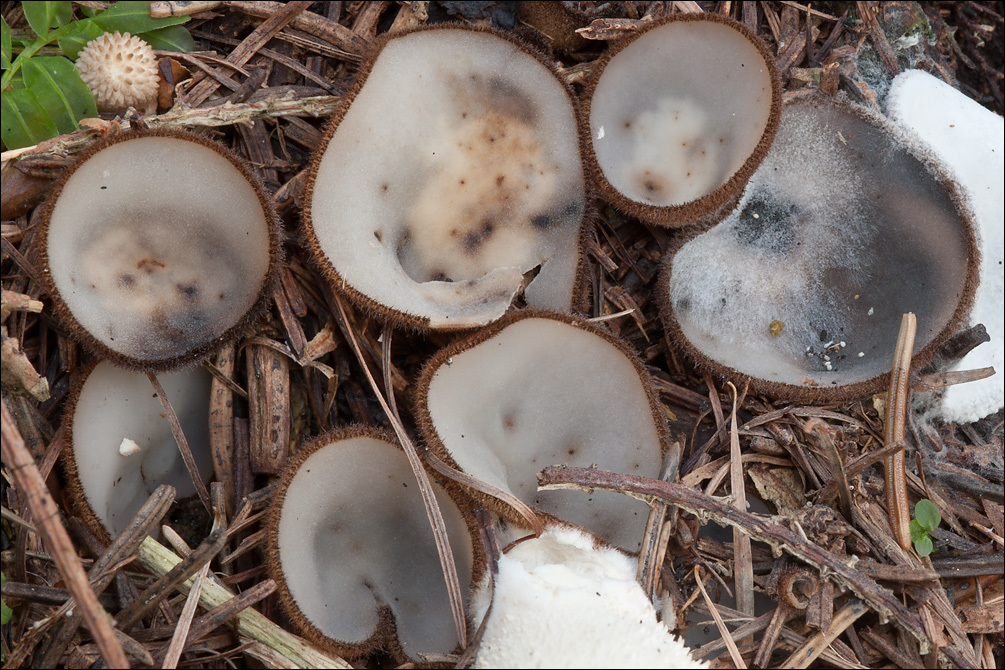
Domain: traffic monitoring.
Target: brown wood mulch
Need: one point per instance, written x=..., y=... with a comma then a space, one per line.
x=833, y=585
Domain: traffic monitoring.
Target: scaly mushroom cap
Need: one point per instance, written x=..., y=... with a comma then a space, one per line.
x=538, y=389
x=157, y=247
x=841, y=231
x=352, y=551
x=120, y=446
x=121, y=71
x=432, y=218
x=680, y=115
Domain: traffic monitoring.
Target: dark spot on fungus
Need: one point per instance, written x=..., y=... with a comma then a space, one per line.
x=126, y=280
x=188, y=290
x=541, y=221
x=378, y=235
x=767, y=224
x=476, y=238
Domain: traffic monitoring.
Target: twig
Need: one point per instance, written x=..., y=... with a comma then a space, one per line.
x=251, y=623
x=436, y=521
x=168, y=582
x=757, y=526
x=734, y=653
x=183, y=448
x=897, y=506
x=743, y=565
x=183, y=628
x=45, y=514
x=810, y=650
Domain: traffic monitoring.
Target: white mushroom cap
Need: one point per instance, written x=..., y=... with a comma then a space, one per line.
x=159, y=245
x=841, y=231
x=121, y=72
x=434, y=217
x=560, y=602
x=538, y=389
x=969, y=141
x=113, y=408
x=680, y=114
x=351, y=548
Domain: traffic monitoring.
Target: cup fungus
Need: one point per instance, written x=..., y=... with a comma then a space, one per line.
x=680, y=114
x=537, y=389
x=560, y=601
x=157, y=247
x=351, y=548
x=841, y=231
x=121, y=72
x=433, y=220
x=120, y=445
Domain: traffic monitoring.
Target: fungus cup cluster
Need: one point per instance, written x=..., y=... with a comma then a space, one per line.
x=809, y=249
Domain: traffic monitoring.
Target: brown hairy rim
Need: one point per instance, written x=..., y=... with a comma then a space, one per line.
x=65, y=318
x=336, y=282
x=820, y=395
x=432, y=439
x=385, y=636
x=712, y=204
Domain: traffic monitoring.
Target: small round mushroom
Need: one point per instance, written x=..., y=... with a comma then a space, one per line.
x=158, y=246
x=120, y=446
x=561, y=601
x=680, y=114
x=841, y=231
x=537, y=389
x=121, y=71
x=351, y=549
x=432, y=219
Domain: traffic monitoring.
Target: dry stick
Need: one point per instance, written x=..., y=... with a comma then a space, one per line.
x=250, y=623
x=181, y=632
x=436, y=522
x=734, y=653
x=319, y=26
x=103, y=570
x=221, y=423
x=163, y=586
x=243, y=52
x=179, y=437
x=757, y=526
x=743, y=565
x=818, y=428
x=816, y=644
x=219, y=615
x=45, y=514
x=897, y=506
x=463, y=478
x=774, y=628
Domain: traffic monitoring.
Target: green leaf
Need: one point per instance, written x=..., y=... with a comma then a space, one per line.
x=172, y=38
x=133, y=17
x=24, y=122
x=5, y=612
x=42, y=16
x=927, y=514
x=83, y=32
x=924, y=546
x=917, y=532
x=58, y=87
x=6, y=47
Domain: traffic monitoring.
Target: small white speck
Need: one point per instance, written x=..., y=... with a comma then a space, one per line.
x=827, y=365
x=841, y=137
x=600, y=133
x=827, y=358
x=127, y=447
x=756, y=215
x=871, y=310
x=842, y=344
x=861, y=354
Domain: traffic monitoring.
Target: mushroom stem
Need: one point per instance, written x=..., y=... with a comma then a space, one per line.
x=897, y=506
